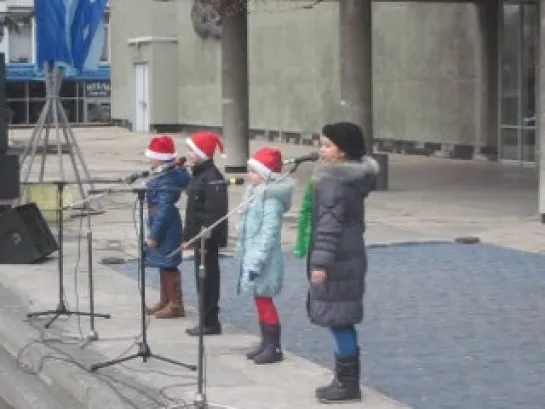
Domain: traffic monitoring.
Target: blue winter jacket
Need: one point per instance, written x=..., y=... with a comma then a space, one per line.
x=164, y=220
x=259, y=239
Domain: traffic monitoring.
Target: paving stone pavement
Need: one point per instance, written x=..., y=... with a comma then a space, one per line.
x=447, y=326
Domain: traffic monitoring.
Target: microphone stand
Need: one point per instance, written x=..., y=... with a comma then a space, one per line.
x=93, y=334
x=61, y=306
x=144, y=350
x=200, y=401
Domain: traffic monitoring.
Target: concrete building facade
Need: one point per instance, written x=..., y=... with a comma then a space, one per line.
x=426, y=69
x=460, y=78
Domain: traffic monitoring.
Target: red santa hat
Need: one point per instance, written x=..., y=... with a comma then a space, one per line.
x=161, y=148
x=204, y=144
x=267, y=162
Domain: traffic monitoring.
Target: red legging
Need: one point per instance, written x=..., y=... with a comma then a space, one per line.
x=266, y=310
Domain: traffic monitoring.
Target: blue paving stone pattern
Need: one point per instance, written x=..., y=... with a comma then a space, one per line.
x=447, y=326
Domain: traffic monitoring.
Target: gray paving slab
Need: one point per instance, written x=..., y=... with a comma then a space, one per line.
x=447, y=325
x=430, y=199
x=231, y=379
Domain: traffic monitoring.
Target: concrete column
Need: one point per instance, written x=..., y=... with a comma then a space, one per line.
x=541, y=110
x=489, y=21
x=234, y=88
x=356, y=63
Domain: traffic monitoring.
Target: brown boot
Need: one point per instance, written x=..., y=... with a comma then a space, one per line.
x=174, y=307
x=163, y=298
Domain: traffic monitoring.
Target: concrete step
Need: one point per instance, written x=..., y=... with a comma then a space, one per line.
x=22, y=390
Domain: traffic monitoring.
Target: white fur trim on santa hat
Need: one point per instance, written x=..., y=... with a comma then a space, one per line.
x=194, y=148
x=159, y=156
x=260, y=168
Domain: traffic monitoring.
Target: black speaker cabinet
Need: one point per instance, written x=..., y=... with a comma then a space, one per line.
x=10, y=186
x=25, y=237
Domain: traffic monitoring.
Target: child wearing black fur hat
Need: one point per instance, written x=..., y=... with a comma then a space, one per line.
x=330, y=235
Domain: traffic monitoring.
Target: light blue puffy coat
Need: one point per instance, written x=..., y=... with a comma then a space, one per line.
x=259, y=239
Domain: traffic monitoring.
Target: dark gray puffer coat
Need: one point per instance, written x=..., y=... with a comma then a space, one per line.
x=337, y=245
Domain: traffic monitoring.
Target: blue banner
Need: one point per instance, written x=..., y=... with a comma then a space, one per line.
x=52, y=45
x=87, y=34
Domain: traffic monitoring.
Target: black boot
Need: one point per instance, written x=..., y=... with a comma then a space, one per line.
x=271, y=352
x=345, y=387
x=252, y=353
x=207, y=330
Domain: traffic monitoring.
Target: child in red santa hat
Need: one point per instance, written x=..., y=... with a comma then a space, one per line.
x=165, y=226
x=259, y=246
x=206, y=204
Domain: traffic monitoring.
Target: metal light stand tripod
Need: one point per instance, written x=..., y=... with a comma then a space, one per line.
x=61, y=307
x=144, y=350
x=93, y=334
x=200, y=401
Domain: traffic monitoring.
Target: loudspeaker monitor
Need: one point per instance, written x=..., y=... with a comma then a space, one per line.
x=25, y=237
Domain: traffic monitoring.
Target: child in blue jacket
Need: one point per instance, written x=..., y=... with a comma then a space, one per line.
x=259, y=247
x=165, y=227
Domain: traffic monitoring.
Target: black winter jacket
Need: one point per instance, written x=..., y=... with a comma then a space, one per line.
x=206, y=203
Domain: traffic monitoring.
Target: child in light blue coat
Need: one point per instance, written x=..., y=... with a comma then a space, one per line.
x=259, y=247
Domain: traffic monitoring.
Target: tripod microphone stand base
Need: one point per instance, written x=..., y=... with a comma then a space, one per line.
x=62, y=310
x=144, y=352
x=91, y=337
x=199, y=405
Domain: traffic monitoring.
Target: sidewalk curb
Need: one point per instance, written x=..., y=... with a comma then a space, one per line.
x=62, y=376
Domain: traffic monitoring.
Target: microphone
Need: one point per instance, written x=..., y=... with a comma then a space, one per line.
x=177, y=163
x=309, y=157
x=228, y=182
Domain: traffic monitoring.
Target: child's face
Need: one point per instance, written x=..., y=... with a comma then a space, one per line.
x=330, y=152
x=154, y=163
x=193, y=157
x=254, y=177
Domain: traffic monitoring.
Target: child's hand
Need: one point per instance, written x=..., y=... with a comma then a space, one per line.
x=151, y=243
x=186, y=246
x=318, y=276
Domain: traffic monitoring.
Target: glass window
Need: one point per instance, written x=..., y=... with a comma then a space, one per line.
x=20, y=42
x=34, y=110
x=81, y=110
x=518, y=82
x=71, y=109
x=18, y=112
x=16, y=90
x=106, y=50
x=528, y=141
x=36, y=89
x=69, y=89
x=530, y=35
x=509, y=143
x=510, y=94
x=98, y=112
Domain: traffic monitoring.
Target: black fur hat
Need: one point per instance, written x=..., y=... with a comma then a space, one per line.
x=348, y=137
